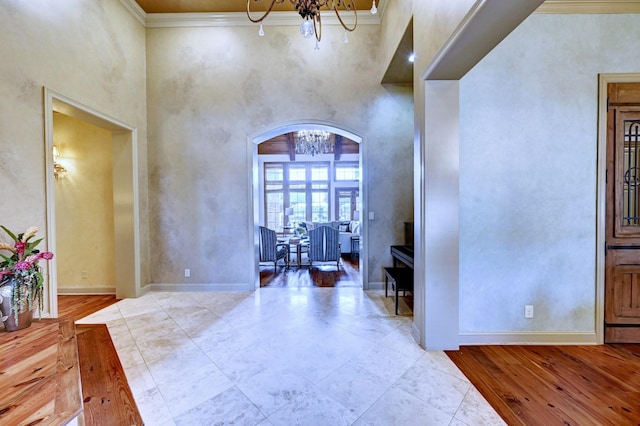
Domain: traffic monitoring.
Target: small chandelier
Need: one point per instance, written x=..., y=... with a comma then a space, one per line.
x=309, y=10
x=313, y=142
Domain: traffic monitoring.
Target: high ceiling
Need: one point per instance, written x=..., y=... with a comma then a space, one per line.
x=220, y=6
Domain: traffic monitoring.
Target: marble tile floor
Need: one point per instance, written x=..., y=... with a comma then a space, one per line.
x=284, y=356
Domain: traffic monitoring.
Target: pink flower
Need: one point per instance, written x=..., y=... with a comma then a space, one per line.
x=20, y=246
x=46, y=255
x=5, y=272
x=32, y=258
x=22, y=266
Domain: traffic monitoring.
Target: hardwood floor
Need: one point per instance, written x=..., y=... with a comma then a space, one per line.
x=325, y=275
x=78, y=307
x=556, y=385
x=106, y=395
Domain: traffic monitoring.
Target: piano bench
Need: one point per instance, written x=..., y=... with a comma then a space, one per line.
x=401, y=279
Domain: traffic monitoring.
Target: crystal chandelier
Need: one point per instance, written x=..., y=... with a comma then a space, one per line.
x=309, y=10
x=313, y=142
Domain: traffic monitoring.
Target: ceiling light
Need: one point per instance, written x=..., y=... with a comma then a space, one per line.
x=313, y=142
x=309, y=10
x=412, y=57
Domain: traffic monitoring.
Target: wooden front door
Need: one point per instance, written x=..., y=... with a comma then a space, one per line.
x=622, y=279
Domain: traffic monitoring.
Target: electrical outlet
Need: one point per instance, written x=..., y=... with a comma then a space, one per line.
x=187, y=273
x=528, y=311
x=84, y=275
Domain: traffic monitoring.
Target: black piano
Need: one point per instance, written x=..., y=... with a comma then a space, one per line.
x=404, y=253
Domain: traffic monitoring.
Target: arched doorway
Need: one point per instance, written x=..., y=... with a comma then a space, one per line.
x=254, y=182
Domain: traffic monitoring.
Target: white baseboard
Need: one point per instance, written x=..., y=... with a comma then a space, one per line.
x=194, y=287
x=376, y=285
x=86, y=291
x=528, y=338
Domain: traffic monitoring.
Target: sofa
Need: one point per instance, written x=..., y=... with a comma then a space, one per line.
x=347, y=230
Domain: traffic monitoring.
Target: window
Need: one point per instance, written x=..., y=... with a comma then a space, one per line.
x=346, y=171
x=347, y=202
x=304, y=186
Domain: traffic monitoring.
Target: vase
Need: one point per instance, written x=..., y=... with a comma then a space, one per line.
x=24, y=318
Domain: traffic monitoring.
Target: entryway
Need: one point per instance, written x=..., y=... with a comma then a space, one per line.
x=120, y=197
x=622, y=246
x=298, y=199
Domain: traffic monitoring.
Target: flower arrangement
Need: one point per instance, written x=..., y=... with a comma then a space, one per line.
x=21, y=266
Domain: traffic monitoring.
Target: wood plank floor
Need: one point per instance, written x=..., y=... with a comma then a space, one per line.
x=323, y=275
x=556, y=385
x=78, y=307
x=105, y=392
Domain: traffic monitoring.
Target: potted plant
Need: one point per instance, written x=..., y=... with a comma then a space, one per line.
x=21, y=279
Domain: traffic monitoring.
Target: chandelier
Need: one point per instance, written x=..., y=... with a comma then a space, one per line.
x=313, y=142
x=309, y=10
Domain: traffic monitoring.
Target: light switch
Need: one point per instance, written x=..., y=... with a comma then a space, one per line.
x=372, y=215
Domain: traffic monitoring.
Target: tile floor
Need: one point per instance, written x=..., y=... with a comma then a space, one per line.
x=284, y=356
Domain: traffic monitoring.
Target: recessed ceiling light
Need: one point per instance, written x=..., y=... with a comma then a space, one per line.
x=412, y=57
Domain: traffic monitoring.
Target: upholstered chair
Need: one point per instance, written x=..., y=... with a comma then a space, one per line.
x=271, y=250
x=324, y=245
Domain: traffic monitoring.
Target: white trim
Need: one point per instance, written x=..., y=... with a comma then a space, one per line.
x=375, y=285
x=590, y=6
x=135, y=10
x=255, y=139
x=601, y=192
x=197, y=287
x=83, y=291
x=56, y=101
x=528, y=338
x=240, y=19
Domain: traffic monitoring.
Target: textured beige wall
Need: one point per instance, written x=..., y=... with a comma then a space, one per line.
x=209, y=88
x=84, y=206
x=90, y=51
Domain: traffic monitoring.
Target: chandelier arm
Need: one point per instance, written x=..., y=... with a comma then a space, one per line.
x=355, y=12
x=317, y=29
x=255, y=21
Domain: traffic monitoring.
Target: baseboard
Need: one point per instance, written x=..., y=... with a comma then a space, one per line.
x=195, y=287
x=528, y=338
x=415, y=333
x=86, y=291
x=376, y=285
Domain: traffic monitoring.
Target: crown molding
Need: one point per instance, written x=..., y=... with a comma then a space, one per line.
x=236, y=19
x=589, y=6
x=135, y=10
x=239, y=19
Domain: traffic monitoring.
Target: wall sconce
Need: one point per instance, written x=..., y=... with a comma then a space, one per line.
x=58, y=169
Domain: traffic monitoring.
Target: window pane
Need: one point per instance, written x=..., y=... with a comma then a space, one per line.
x=297, y=172
x=273, y=172
x=344, y=205
x=320, y=172
x=274, y=209
x=320, y=206
x=297, y=201
x=347, y=171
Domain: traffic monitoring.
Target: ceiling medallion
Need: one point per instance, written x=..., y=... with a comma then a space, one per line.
x=309, y=10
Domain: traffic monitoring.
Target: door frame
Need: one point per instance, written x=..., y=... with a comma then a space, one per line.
x=254, y=194
x=125, y=184
x=601, y=196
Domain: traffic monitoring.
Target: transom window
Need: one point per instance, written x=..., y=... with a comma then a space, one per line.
x=347, y=171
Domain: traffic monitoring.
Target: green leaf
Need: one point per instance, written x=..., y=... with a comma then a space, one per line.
x=10, y=233
x=32, y=245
